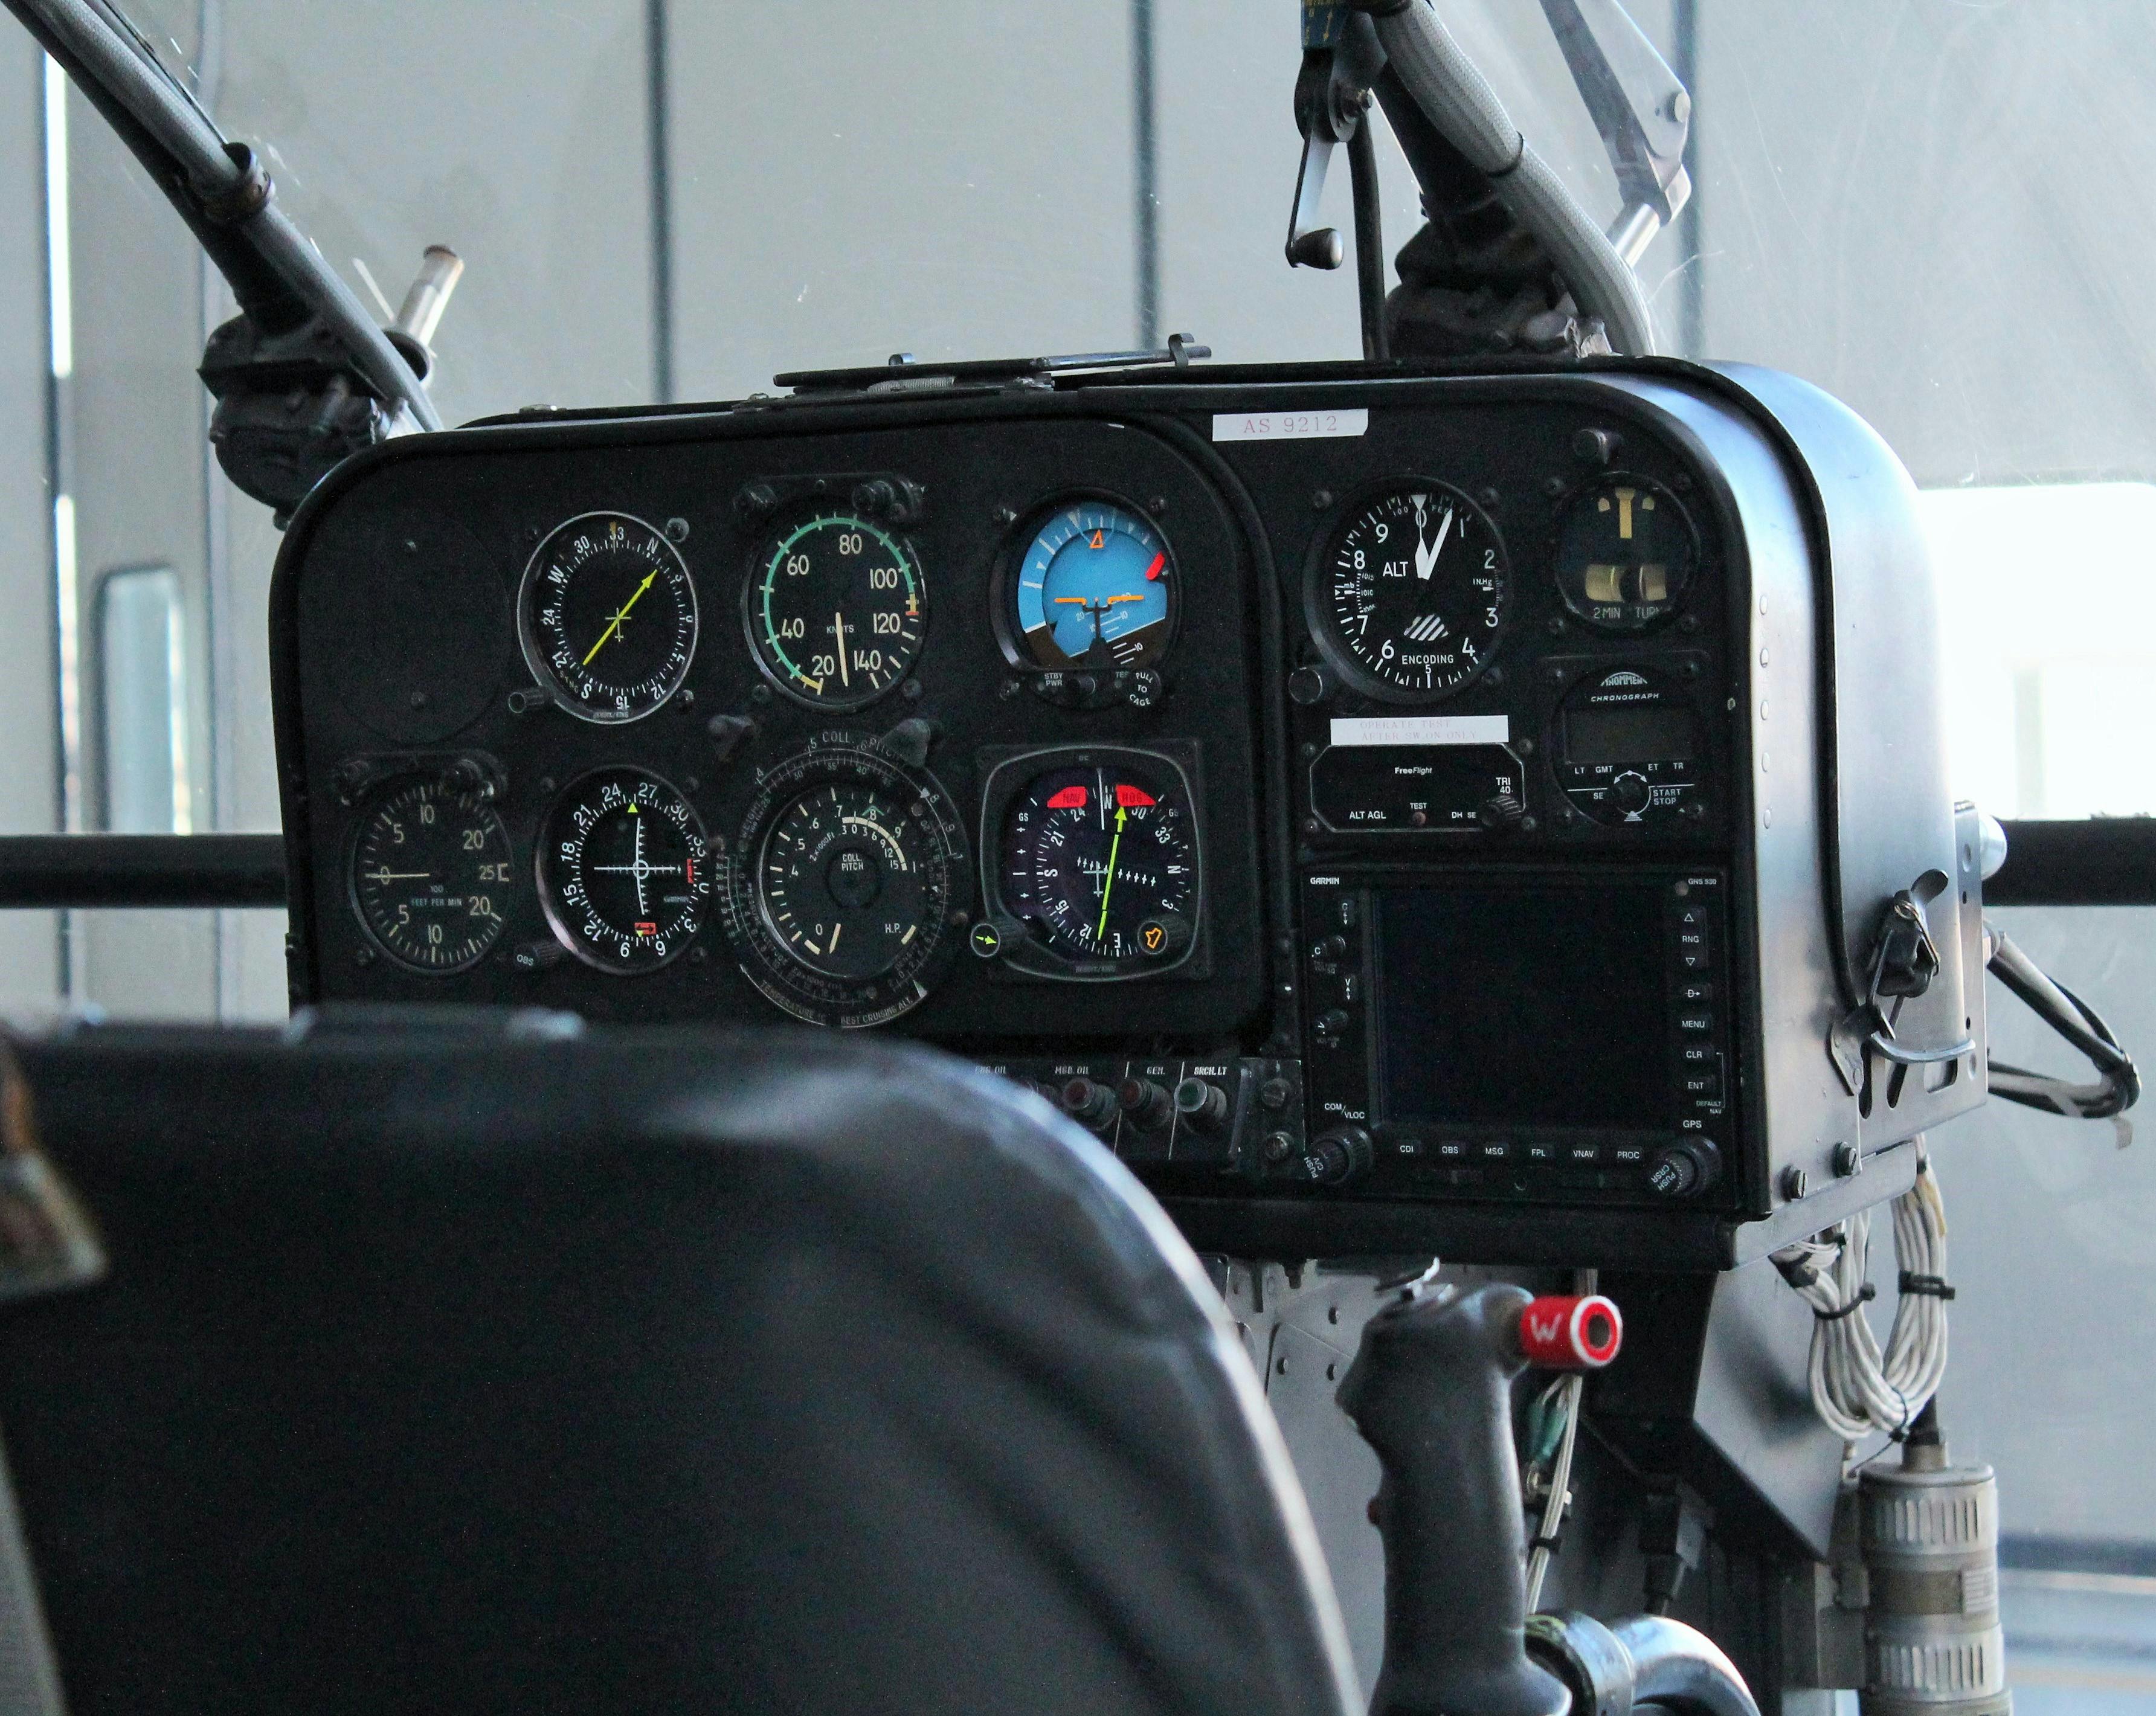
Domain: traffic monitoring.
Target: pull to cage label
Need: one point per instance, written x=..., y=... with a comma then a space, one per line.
x=1289, y=425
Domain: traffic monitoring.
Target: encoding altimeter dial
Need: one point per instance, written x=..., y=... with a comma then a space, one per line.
x=835, y=608
x=1411, y=591
x=430, y=876
x=1100, y=864
x=622, y=872
x=607, y=616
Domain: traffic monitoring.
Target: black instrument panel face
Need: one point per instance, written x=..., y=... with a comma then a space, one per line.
x=785, y=822
x=1038, y=725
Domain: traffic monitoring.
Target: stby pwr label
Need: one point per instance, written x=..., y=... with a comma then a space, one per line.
x=1414, y=789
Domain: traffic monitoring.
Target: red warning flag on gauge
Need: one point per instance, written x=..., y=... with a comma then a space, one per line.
x=1130, y=798
x=1070, y=798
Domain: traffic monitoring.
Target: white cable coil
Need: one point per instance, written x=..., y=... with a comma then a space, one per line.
x=1857, y=1389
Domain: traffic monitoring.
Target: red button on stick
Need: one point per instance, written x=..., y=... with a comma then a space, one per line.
x=1562, y=1332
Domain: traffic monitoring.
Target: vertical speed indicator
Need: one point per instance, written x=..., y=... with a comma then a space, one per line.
x=1411, y=591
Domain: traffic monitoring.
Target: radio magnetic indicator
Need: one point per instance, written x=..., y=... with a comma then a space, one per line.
x=607, y=616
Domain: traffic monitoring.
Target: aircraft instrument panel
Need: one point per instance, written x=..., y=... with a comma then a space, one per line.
x=1336, y=791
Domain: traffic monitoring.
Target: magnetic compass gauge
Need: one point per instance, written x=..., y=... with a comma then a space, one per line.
x=430, y=876
x=843, y=894
x=607, y=616
x=835, y=609
x=1094, y=586
x=622, y=873
x=1098, y=863
x=1410, y=591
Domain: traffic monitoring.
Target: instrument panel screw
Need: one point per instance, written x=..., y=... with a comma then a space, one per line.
x=1321, y=499
x=685, y=698
x=1309, y=752
x=1311, y=825
x=1556, y=676
x=1527, y=747
x=1496, y=676
x=1847, y=1159
x=715, y=845
x=759, y=693
x=363, y=956
x=1689, y=622
x=677, y=530
x=418, y=700
x=690, y=783
x=410, y=546
x=1005, y=515
x=911, y=690
x=1489, y=496
x=1528, y=825
x=1008, y=690
x=1556, y=625
x=698, y=955
x=758, y=497
x=1682, y=482
x=1793, y=1183
x=1552, y=486
x=1157, y=505
x=547, y=783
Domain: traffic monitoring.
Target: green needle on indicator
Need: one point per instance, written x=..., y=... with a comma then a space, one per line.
x=1108, y=887
x=616, y=620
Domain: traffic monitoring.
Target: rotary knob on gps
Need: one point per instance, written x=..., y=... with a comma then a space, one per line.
x=1686, y=1169
x=1335, y=1157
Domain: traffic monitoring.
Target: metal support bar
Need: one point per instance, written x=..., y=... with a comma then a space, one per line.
x=185, y=870
x=2105, y=861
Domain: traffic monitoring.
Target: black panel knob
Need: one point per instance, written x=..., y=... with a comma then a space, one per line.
x=1503, y=814
x=1202, y=1104
x=1329, y=948
x=1335, y=1157
x=1090, y=1103
x=1145, y=1102
x=1686, y=1169
x=1311, y=684
x=1630, y=793
x=1332, y=1021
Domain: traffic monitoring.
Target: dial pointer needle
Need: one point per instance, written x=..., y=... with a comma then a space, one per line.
x=614, y=623
x=1108, y=884
x=838, y=628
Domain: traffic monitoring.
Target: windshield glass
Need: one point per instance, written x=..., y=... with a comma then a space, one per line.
x=1940, y=211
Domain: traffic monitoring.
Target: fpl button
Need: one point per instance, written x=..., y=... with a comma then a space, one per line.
x=1561, y=1332
x=987, y=941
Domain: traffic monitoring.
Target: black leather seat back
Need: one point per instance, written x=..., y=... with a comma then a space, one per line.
x=448, y=1371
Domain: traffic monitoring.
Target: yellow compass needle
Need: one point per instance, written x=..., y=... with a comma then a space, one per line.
x=613, y=624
